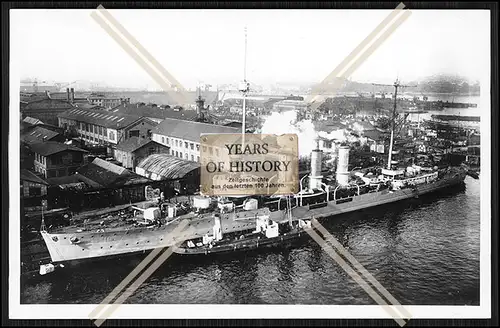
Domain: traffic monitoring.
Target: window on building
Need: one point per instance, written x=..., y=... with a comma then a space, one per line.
x=133, y=133
x=56, y=160
x=176, y=154
x=186, y=144
x=216, y=151
x=163, y=139
x=192, y=146
x=180, y=155
x=35, y=191
x=197, y=147
x=111, y=135
x=192, y=158
x=176, y=143
x=186, y=156
x=210, y=150
x=168, y=141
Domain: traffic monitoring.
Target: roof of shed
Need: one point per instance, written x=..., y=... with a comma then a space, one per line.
x=167, y=166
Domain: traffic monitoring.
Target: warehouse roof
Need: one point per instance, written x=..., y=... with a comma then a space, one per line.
x=100, y=117
x=110, y=175
x=155, y=112
x=169, y=167
x=38, y=134
x=47, y=104
x=32, y=177
x=134, y=143
x=32, y=120
x=72, y=181
x=51, y=147
x=190, y=130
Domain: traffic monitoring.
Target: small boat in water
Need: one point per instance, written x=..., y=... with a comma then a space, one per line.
x=267, y=233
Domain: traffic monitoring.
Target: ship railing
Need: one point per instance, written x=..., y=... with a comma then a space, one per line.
x=335, y=191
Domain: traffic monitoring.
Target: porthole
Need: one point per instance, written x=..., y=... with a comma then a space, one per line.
x=111, y=246
x=126, y=244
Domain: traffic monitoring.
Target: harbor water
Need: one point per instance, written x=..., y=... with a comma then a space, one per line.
x=424, y=251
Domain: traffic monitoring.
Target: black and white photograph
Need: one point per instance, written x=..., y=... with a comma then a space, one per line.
x=386, y=212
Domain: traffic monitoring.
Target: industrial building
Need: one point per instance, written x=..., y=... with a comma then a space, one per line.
x=183, y=137
x=102, y=127
x=33, y=191
x=133, y=150
x=54, y=159
x=173, y=173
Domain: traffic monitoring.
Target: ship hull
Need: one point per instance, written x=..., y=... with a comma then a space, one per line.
x=246, y=245
x=94, y=244
x=113, y=243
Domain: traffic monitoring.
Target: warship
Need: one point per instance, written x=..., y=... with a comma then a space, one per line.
x=138, y=230
x=141, y=229
x=267, y=234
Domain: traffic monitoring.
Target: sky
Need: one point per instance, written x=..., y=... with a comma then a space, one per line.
x=284, y=46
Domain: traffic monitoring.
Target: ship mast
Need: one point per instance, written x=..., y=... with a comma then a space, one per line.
x=244, y=88
x=396, y=85
x=391, y=144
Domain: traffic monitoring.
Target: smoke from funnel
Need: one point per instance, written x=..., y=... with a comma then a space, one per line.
x=286, y=122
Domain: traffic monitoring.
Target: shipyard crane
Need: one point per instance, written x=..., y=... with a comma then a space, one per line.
x=396, y=85
x=62, y=85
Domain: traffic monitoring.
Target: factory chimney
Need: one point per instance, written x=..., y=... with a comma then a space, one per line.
x=315, y=178
x=342, y=166
x=68, y=98
x=72, y=95
x=200, y=107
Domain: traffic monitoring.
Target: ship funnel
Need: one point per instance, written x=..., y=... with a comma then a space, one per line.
x=316, y=178
x=217, y=229
x=342, y=166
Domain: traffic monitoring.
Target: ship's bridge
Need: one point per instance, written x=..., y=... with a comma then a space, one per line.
x=393, y=174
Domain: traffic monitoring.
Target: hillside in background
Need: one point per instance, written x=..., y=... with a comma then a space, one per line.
x=440, y=83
